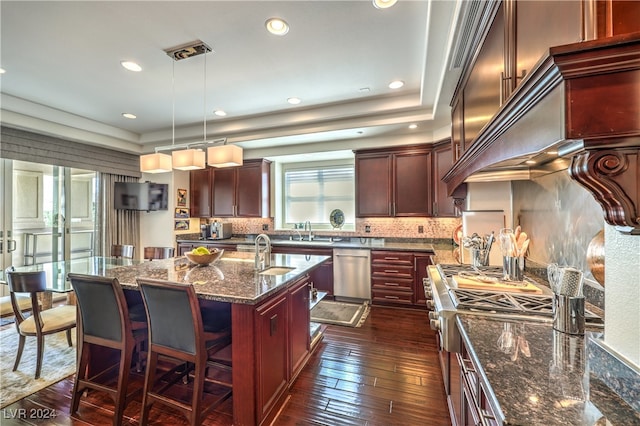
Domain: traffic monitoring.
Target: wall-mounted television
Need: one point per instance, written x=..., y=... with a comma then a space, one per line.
x=143, y=196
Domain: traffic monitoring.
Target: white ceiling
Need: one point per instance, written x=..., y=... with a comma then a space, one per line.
x=63, y=73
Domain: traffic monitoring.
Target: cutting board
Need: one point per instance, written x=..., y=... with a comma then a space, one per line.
x=472, y=284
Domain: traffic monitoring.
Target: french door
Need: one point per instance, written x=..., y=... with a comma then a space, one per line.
x=48, y=213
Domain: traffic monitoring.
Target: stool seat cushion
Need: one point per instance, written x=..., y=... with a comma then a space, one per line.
x=60, y=317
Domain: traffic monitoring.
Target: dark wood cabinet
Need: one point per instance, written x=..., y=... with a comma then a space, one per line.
x=443, y=204
x=242, y=191
x=272, y=352
x=200, y=198
x=231, y=192
x=393, y=183
x=299, y=319
x=397, y=277
x=484, y=89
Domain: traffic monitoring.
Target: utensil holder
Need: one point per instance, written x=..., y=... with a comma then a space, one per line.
x=479, y=257
x=568, y=314
x=512, y=268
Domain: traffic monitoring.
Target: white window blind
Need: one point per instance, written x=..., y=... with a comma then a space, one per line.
x=313, y=193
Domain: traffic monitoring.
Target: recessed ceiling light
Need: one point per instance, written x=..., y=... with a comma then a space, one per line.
x=220, y=113
x=129, y=115
x=131, y=66
x=396, y=84
x=530, y=162
x=552, y=152
x=294, y=101
x=364, y=89
x=2, y=71
x=277, y=26
x=384, y=4
x=413, y=126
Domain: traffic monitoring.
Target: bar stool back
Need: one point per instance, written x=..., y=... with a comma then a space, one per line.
x=104, y=321
x=122, y=250
x=176, y=332
x=151, y=253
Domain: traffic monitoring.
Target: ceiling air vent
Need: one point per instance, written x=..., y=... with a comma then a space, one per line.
x=188, y=50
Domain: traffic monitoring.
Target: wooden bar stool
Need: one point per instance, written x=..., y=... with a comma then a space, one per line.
x=40, y=323
x=151, y=253
x=104, y=321
x=176, y=332
x=122, y=250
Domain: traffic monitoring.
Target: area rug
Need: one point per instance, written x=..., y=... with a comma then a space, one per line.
x=340, y=313
x=58, y=362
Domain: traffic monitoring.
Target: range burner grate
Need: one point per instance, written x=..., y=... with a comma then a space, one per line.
x=501, y=302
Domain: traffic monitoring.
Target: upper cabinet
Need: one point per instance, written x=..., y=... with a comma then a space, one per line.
x=513, y=37
x=200, y=198
x=393, y=182
x=231, y=192
x=543, y=80
x=443, y=204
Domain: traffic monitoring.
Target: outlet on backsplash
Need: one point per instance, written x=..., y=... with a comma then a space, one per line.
x=367, y=228
x=265, y=227
x=420, y=229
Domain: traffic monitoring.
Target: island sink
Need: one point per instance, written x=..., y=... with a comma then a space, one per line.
x=276, y=270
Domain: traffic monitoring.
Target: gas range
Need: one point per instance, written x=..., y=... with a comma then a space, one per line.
x=446, y=301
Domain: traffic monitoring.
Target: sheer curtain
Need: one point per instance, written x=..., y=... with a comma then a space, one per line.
x=116, y=226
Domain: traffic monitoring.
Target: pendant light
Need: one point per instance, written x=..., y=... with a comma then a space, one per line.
x=155, y=163
x=224, y=156
x=191, y=158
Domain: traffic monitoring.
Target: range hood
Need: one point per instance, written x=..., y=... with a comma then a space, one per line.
x=578, y=110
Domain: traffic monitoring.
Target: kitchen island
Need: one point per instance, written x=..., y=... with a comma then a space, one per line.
x=269, y=316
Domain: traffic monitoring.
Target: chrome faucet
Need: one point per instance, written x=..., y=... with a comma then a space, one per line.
x=308, y=223
x=299, y=234
x=263, y=256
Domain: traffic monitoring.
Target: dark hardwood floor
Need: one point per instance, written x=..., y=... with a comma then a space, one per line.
x=383, y=373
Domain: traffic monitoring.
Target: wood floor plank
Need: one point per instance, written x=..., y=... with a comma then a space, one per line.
x=386, y=372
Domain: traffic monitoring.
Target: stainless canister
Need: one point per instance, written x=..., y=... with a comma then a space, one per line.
x=513, y=268
x=568, y=314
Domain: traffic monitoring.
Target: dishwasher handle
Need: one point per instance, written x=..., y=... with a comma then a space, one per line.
x=352, y=255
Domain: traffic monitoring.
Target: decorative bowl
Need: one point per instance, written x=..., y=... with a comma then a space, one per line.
x=204, y=259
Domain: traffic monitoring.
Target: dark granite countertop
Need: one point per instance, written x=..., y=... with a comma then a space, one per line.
x=551, y=386
x=415, y=245
x=232, y=278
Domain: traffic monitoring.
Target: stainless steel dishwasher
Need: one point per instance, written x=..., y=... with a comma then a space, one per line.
x=351, y=274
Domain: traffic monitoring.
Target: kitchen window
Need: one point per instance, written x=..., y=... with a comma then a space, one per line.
x=311, y=191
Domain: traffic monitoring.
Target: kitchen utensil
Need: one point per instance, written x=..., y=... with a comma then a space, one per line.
x=490, y=240
x=571, y=282
x=524, y=346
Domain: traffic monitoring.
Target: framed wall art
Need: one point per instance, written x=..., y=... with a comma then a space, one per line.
x=182, y=213
x=182, y=198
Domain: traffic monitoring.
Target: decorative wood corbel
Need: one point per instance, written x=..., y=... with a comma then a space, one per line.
x=612, y=176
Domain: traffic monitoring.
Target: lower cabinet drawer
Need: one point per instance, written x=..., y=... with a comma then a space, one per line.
x=392, y=284
x=394, y=297
x=392, y=271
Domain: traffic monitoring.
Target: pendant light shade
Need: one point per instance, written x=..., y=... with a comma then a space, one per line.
x=224, y=156
x=188, y=159
x=155, y=163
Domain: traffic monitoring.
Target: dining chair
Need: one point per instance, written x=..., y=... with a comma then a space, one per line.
x=151, y=253
x=122, y=250
x=176, y=332
x=41, y=322
x=104, y=321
